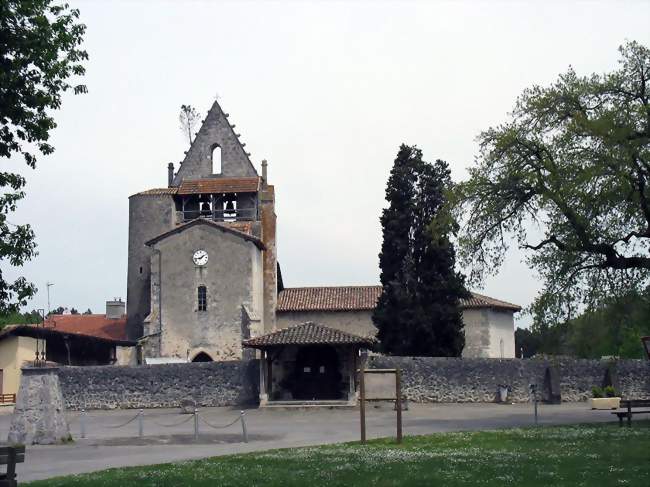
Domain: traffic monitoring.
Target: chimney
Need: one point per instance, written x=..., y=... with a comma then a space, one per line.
x=170, y=174
x=115, y=309
x=264, y=173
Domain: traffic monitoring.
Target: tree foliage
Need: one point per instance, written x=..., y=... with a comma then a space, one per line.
x=614, y=328
x=567, y=176
x=39, y=55
x=188, y=118
x=418, y=311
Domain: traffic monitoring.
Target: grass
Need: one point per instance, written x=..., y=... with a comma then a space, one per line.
x=582, y=455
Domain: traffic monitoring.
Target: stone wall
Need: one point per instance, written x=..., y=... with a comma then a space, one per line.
x=149, y=386
x=430, y=379
x=425, y=379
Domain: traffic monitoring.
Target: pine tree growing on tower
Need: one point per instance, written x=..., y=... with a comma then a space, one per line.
x=418, y=312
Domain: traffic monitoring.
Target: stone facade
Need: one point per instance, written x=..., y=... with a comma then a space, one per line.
x=156, y=386
x=432, y=379
x=424, y=379
x=489, y=333
x=232, y=278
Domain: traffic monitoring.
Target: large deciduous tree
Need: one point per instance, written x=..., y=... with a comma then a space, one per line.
x=418, y=311
x=567, y=176
x=39, y=54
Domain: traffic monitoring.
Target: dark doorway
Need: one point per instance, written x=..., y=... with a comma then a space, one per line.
x=202, y=357
x=316, y=376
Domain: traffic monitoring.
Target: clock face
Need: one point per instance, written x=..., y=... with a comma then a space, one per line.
x=200, y=257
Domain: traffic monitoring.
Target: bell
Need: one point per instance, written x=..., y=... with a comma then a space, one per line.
x=230, y=205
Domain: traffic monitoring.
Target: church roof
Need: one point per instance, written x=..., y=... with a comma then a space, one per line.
x=308, y=333
x=157, y=192
x=355, y=298
x=224, y=227
x=219, y=185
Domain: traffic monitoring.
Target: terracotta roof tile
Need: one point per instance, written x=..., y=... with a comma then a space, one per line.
x=97, y=326
x=219, y=185
x=157, y=192
x=348, y=298
x=308, y=334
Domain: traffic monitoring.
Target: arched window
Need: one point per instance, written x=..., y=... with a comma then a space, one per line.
x=202, y=298
x=215, y=157
x=202, y=357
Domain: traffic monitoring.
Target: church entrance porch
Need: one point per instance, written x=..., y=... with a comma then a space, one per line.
x=308, y=364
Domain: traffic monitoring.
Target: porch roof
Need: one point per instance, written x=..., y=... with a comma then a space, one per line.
x=308, y=333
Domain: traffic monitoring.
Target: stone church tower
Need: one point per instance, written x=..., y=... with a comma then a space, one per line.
x=202, y=264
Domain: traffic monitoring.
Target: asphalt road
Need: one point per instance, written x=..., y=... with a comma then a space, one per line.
x=106, y=446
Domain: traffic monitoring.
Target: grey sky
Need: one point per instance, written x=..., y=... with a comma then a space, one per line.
x=325, y=91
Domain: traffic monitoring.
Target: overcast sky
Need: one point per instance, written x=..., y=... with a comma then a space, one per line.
x=326, y=91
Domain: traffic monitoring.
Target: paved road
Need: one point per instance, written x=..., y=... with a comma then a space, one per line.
x=106, y=447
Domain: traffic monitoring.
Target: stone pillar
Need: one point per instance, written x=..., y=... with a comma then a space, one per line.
x=38, y=417
x=264, y=396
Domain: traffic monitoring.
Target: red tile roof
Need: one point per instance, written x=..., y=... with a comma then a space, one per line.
x=219, y=185
x=350, y=298
x=157, y=192
x=97, y=326
x=308, y=334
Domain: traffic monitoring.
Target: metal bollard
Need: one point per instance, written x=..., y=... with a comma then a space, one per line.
x=243, y=426
x=140, y=425
x=196, y=424
x=82, y=422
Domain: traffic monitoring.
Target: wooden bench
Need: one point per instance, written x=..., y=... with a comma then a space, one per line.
x=10, y=456
x=7, y=398
x=627, y=405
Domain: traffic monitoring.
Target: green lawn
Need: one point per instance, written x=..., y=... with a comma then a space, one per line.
x=588, y=455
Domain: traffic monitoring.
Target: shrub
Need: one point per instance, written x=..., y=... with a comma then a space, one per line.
x=610, y=392
x=597, y=391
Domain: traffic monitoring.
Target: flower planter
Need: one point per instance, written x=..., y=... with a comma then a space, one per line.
x=604, y=402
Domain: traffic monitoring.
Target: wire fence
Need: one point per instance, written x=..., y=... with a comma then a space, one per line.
x=140, y=417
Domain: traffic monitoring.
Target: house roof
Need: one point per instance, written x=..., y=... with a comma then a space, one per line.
x=97, y=327
x=308, y=333
x=355, y=298
x=220, y=185
x=224, y=227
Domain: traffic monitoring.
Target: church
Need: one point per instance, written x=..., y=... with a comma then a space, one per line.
x=204, y=282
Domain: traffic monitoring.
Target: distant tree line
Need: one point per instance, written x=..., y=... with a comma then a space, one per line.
x=612, y=329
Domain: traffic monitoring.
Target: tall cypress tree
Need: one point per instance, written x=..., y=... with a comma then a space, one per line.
x=418, y=312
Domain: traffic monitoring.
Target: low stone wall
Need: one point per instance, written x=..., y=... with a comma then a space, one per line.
x=432, y=379
x=425, y=379
x=230, y=383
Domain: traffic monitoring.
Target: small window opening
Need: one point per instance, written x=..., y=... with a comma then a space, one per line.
x=202, y=357
x=203, y=298
x=140, y=269
x=215, y=157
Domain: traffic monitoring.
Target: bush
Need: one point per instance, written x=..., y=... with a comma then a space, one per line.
x=610, y=392
x=597, y=391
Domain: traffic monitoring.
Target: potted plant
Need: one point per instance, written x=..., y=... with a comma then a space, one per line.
x=606, y=398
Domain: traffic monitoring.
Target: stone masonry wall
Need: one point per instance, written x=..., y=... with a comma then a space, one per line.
x=431, y=379
x=424, y=379
x=149, y=386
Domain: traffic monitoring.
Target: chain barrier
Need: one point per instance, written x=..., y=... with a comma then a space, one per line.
x=140, y=417
x=189, y=417
x=218, y=427
x=123, y=424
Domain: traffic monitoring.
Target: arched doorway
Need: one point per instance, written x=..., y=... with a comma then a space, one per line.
x=316, y=375
x=202, y=357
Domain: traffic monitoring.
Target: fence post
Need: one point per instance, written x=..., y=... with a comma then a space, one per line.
x=82, y=422
x=243, y=426
x=196, y=424
x=140, y=425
